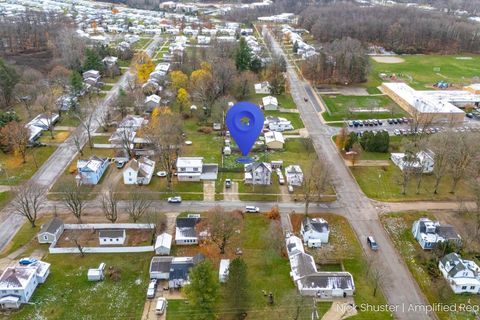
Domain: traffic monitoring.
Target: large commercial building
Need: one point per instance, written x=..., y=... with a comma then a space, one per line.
x=431, y=106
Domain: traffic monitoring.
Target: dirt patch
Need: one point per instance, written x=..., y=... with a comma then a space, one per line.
x=388, y=59
x=89, y=238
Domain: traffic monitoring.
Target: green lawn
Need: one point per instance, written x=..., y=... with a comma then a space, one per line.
x=100, y=139
x=58, y=136
x=339, y=107
x=436, y=290
x=14, y=171
x=384, y=184
x=209, y=146
x=67, y=294
x=141, y=43
x=68, y=119
x=420, y=69
x=284, y=100
x=5, y=198
x=123, y=63
x=293, y=117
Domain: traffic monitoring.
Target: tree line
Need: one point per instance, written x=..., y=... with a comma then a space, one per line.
x=400, y=29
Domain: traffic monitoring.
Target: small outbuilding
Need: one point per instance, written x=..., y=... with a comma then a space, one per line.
x=50, y=231
x=163, y=244
x=96, y=274
x=274, y=140
x=223, y=270
x=112, y=237
x=270, y=103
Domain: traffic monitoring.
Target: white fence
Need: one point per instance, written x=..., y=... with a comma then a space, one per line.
x=96, y=226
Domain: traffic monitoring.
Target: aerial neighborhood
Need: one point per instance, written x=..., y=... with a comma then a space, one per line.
x=239, y=160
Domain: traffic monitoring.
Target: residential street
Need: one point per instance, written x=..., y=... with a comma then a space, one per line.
x=397, y=282
x=48, y=173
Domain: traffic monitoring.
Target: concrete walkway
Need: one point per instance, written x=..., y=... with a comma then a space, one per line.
x=209, y=190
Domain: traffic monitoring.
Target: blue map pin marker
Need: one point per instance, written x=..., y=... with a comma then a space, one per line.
x=245, y=123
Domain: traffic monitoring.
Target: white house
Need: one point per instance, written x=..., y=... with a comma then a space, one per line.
x=160, y=267
x=274, y=140
x=223, y=270
x=314, y=231
x=270, y=103
x=139, y=171
x=258, y=173
x=44, y=121
x=51, y=231
x=193, y=169
x=163, y=244
x=262, y=88
x=294, y=175
x=112, y=237
x=18, y=283
x=463, y=276
x=185, y=233
x=152, y=102
x=96, y=274
x=132, y=122
x=278, y=123
x=428, y=233
x=423, y=160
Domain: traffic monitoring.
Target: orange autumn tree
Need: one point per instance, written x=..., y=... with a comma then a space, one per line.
x=144, y=66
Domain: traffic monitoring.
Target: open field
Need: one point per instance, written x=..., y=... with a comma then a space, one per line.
x=422, y=69
x=384, y=184
x=435, y=289
x=344, y=250
x=339, y=107
x=14, y=171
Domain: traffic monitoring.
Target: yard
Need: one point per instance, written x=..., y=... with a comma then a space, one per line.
x=384, y=184
x=90, y=238
x=14, y=171
x=436, y=290
x=285, y=100
x=340, y=106
x=68, y=295
x=425, y=70
x=58, y=136
x=344, y=250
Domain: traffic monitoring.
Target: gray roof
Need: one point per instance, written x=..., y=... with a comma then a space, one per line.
x=315, y=225
x=116, y=233
x=180, y=270
x=186, y=226
x=52, y=226
x=454, y=261
x=160, y=264
x=447, y=232
x=210, y=168
x=341, y=280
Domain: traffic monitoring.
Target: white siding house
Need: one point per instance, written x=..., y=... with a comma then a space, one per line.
x=51, y=231
x=463, y=276
x=274, y=140
x=314, y=229
x=294, y=175
x=269, y=103
x=258, y=173
x=138, y=171
x=193, y=169
x=423, y=161
x=428, y=233
x=185, y=233
x=112, y=237
x=163, y=244
x=262, y=88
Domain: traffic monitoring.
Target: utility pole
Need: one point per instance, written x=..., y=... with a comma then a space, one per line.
x=314, y=311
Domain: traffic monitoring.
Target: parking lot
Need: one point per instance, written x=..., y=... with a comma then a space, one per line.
x=405, y=126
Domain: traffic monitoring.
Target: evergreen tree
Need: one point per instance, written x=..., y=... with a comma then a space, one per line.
x=203, y=290
x=8, y=79
x=238, y=288
x=76, y=82
x=92, y=61
x=256, y=65
x=352, y=138
x=243, y=55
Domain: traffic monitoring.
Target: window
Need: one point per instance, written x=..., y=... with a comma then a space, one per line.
x=183, y=169
x=472, y=288
x=464, y=288
x=110, y=240
x=45, y=237
x=195, y=169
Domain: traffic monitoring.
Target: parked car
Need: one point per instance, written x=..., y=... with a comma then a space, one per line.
x=161, y=305
x=375, y=122
x=380, y=122
x=290, y=188
x=397, y=132
x=305, y=99
x=152, y=286
x=228, y=183
x=350, y=123
x=252, y=209
x=120, y=164
x=176, y=199
x=390, y=121
x=281, y=180
x=395, y=121
x=372, y=243
x=26, y=261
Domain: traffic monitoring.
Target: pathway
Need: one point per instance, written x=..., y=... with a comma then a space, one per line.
x=209, y=190
x=231, y=194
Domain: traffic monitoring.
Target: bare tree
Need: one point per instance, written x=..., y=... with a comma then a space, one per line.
x=86, y=116
x=274, y=237
x=110, y=204
x=74, y=199
x=75, y=238
x=158, y=221
x=16, y=137
x=461, y=157
x=77, y=141
x=138, y=204
x=29, y=199
x=46, y=102
x=315, y=182
x=165, y=135
x=27, y=89
x=440, y=145
x=376, y=276
x=221, y=226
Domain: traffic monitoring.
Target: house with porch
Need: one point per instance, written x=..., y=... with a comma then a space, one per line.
x=193, y=169
x=90, y=171
x=258, y=173
x=463, y=276
x=428, y=233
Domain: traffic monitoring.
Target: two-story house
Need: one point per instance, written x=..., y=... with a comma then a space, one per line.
x=428, y=233
x=314, y=231
x=193, y=169
x=294, y=175
x=258, y=173
x=91, y=171
x=139, y=171
x=463, y=276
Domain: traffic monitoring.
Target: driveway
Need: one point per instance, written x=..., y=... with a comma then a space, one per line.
x=209, y=190
x=231, y=194
x=398, y=285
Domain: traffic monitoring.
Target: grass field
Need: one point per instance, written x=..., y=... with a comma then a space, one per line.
x=293, y=117
x=384, y=184
x=67, y=294
x=421, y=69
x=339, y=107
x=14, y=171
x=58, y=136
x=436, y=290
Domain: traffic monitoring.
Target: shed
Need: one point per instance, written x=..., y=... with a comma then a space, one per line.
x=112, y=237
x=96, y=274
x=223, y=270
x=50, y=231
x=163, y=244
x=270, y=103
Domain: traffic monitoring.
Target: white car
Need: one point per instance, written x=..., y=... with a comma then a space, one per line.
x=151, y=290
x=252, y=209
x=174, y=199
x=161, y=305
x=161, y=173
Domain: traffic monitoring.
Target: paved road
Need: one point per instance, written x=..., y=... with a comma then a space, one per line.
x=48, y=173
x=398, y=285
